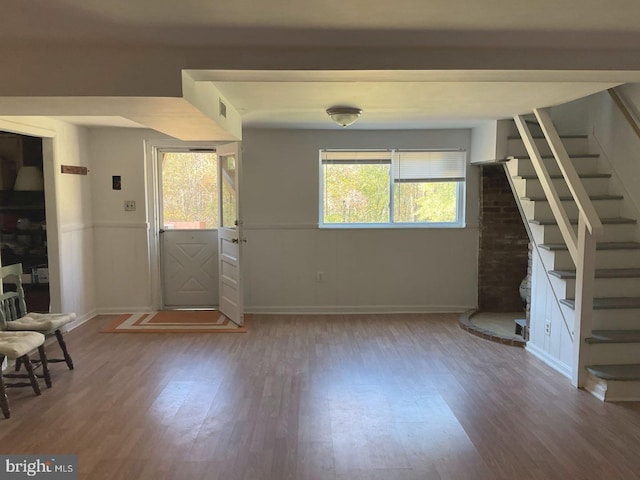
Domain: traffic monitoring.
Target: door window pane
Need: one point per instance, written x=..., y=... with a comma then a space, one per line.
x=189, y=190
x=229, y=192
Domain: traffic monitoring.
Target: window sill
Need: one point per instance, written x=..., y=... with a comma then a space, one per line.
x=390, y=226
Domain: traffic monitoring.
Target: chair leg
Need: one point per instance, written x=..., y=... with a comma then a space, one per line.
x=45, y=366
x=32, y=374
x=4, y=401
x=17, y=364
x=63, y=347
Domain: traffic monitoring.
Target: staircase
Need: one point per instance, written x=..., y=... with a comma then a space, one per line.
x=611, y=347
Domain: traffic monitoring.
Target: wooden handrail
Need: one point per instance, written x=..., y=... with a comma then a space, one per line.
x=633, y=122
x=549, y=189
x=580, y=196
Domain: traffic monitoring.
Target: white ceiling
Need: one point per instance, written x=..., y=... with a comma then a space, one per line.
x=401, y=100
x=390, y=99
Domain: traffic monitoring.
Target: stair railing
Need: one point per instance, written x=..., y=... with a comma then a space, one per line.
x=626, y=110
x=581, y=246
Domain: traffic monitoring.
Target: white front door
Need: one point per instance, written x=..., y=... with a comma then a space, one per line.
x=230, y=239
x=189, y=238
x=190, y=268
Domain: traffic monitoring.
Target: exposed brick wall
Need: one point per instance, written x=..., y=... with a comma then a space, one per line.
x=503, y=256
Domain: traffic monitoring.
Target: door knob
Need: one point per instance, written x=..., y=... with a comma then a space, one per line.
x=234, y=240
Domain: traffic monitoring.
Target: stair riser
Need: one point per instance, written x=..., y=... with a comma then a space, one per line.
x=556, y=260
x=613, y=391
x=583, y=165
x=613, y=353
x=560, y=288
x=516, y=147
x=622, y=391
x=561, y=260
x=608, y=287
x=614, y=319
x=542, y=210
x=611, y=233
x=532, y=187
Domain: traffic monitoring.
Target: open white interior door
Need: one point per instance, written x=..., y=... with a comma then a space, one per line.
x=230, y=238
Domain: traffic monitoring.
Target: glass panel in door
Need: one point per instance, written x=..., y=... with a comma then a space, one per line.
x=189, y=190
x=229, y=191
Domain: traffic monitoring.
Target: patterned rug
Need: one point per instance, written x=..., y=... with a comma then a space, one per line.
x=175, y=321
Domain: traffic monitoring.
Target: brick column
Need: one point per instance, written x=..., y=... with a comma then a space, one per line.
x=503, y=257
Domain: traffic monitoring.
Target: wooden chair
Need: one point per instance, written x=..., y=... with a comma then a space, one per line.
x=18, y=320
x=17, y=346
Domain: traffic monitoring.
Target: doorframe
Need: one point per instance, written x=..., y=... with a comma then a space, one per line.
x=152, y=178
x=49, y=165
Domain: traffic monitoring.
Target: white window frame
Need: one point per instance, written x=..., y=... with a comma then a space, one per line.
x=460, y=195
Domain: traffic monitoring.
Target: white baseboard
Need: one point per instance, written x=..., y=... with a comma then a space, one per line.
x=549, y=360
x=345, y=309
x=596, y=387
x=80, y=320
x=611, y=390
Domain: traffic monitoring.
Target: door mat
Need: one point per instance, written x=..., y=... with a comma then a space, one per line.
x=175, y=321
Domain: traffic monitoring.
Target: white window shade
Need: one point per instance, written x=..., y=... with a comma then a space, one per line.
x=351, y=157
x=430, y=166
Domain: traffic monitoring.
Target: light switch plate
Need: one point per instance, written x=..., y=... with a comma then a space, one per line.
x=129, y=205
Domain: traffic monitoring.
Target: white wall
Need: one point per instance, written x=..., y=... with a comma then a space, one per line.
x=618, y=144
x=69, y=215
x=489, y=141
x=555, y=347
x=573, y=118
x=123, y=283
x=364, y=269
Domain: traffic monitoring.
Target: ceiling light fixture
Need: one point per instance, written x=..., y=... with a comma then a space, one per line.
x=344, y=116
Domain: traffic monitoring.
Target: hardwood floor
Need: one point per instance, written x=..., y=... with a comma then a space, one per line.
x=320, y=397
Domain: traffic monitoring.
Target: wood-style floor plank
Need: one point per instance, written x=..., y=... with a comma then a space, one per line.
x=388, y=397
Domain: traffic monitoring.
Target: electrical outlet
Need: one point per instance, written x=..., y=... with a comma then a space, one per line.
x=320, y=277
x=547, y=328
x=129, y=205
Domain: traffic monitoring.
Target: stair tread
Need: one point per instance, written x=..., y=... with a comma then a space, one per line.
x=606, y=303
x=599, y=246
x=608, y=221
x=600, y=273
x=622, y=373
x=571, y=155
x=614, y=336
x=541, y=137
x=569, y=198
x=581, y=175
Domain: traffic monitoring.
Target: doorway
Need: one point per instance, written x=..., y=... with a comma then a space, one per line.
x=189, y=219
x=23, y=215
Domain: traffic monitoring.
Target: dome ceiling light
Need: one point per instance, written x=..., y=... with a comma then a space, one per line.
x=344, y=116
